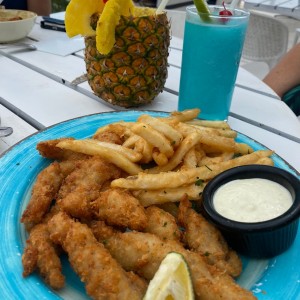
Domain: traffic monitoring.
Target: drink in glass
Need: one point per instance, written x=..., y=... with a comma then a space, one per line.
x=212, y=50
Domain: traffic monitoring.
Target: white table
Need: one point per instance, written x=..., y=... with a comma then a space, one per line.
x=289, y=8
x=36, y=92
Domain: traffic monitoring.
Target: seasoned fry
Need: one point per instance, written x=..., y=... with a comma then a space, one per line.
x=190, y=159
x=168, y=131
x=217, y=131
x=153, y=137
x=210, y=124
x=217, y=142
x=110, y=155
x=205, y=161
x=146, y=149
x=243, y=149
x=184, y=116
x=265, y=161
x=159, y=158
x=131, y=141
x=160, y=196
x=176, y=179
x=190, y=141
x=128, y=153
x=121, y=129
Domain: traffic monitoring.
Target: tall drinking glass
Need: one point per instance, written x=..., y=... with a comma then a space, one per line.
x=212, y=50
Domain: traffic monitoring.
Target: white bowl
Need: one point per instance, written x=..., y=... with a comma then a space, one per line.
x=15, y=30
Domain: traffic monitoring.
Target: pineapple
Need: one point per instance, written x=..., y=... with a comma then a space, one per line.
x=126, y=50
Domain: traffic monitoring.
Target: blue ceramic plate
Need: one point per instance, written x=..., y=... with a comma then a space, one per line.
x=274, y=279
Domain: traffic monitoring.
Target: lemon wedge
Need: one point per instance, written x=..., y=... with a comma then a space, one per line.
x=172, y=281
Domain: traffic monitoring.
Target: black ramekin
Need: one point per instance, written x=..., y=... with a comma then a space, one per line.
x=261, y=239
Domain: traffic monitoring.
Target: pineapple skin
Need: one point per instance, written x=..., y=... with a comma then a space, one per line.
x=134, y=72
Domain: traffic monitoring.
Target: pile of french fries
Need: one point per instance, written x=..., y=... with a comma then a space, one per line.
x=166, y=158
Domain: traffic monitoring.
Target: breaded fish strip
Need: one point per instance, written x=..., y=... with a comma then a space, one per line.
x=143, y=253
x=118, y=207
x=104, y=278
x=204, y=238
x=84, y=185
x=162, y=223
x=48, y=149
x=41, y=253
x=44, y=191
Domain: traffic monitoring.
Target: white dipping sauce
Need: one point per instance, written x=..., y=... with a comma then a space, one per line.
x=252, y=200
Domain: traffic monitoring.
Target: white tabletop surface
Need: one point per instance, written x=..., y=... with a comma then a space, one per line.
x=36, y=92
x=284, y=7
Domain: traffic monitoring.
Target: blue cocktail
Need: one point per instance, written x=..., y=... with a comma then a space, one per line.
x=212, y=50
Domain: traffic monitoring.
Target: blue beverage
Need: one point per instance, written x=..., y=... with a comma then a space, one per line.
x=211, y=56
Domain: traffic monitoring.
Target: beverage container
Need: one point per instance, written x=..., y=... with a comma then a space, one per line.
x=212, y=50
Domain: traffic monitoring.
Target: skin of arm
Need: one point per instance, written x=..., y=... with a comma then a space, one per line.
x=286, y=74
x=40, y=7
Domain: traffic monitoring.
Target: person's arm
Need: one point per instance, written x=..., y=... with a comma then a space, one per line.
x=40, y=7
x=286, y=74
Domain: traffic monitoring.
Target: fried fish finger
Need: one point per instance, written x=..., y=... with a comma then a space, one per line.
x=144, y=252
x=48, y=149
x=162, y=223
x=104, y=278
x=44, y=191
x=118, y=207
x=41, y=253
x=84, y=185
x=204, y=238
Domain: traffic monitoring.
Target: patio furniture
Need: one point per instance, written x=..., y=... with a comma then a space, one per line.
x=266, y=39
x=297, y=36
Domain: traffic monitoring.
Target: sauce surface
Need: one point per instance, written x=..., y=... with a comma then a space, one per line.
x=252, y=200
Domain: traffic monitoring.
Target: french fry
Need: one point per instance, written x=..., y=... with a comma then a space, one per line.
x=190, y=159
x=164, y=128
x=139, y=145
x=211, y=124
x=153, y=137
x=217, y=159
x=131, y=141
x=265, y=161
x=242, y=148
x=110, y=155
x=189, y=142
x=165, y=180
x=159, y=158
x=216, y=142
x=121, y=127
x=146, y=150
x=217, y=131
x=128, y=153
x=184, y=116
x=154, y=197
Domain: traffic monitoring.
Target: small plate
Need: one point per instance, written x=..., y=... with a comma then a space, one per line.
x=274, y=279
